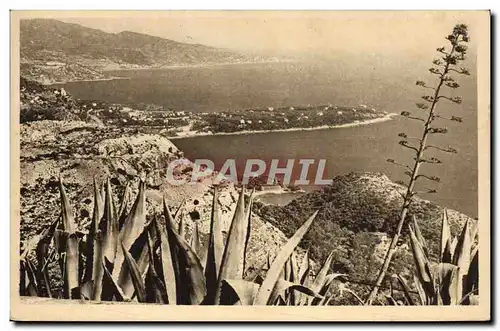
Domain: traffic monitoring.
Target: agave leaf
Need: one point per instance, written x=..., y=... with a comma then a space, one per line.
x=462, y=254
x=280, y=301
x=448, y=284
x=167, y=263
x=421, y=293
x=273, y=274
x=327, y=295
x=447, y=253
x=22, y=278
x=234, y=252
x=238, y=292
x=294, y=272
x=60, y=249
x=169, y=218
x=303, y=299
x=283, y=285
x=287, y=269
x=68, y=221
x=294, y=277
x=329, y=279
x=140, y=288
x=31, y=290
x=472, y=282
x=248, y=213
x=193, y=278
x=139, y=252
x=122, y=212
x=132, y=228
x=420, y=238
x=319, y=281
x=304, y=268
x=71, y=256
x=93, y=242
x=111, y=223
x=71, y=275
x=327, y=300
x=42, y=254
x=327, y=284
x=453, y=245
x=155, y=289
x=343, y=288
x=406, y=291
x=422, y=264
x=254, y=275
x=182, y=227
x=32, y=287
x=194, y=241
x=179, y=209
x=474, y=228
x=113, y=287
x=97, y=269
x=445, y=245
x=87, y=290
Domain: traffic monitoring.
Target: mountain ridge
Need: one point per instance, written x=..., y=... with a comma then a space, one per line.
x=54, y=51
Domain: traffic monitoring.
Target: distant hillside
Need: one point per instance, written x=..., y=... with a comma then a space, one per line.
x=56, y=51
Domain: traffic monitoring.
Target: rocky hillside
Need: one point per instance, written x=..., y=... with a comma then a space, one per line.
x=54, y=51
x=38, y=102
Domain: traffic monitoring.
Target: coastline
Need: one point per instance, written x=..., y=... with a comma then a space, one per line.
x=200, y=65
x=175, y=66
x=87, y=80
x=191, y=134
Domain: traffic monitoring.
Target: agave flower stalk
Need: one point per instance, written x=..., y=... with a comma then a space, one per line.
x=443, y=69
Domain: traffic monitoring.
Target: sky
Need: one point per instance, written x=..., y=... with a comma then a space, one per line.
x=287, y=32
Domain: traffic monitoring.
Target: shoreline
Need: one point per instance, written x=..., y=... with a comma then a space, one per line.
x=200, y=65
x=87, y=80
x=385, y=118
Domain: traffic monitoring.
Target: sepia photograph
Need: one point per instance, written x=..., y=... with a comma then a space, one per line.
x=332, y=164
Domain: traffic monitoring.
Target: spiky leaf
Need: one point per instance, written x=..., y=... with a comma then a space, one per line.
x=273, y=274
x=167, y=264
x=140, y=288
x=445, y=244
x=191, y=271
x=422, y=264
x=215, y=250
x=238, y=292
x=234, y=252
x=132, y=228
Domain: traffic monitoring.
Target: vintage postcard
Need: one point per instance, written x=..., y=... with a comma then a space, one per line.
x=250, y=166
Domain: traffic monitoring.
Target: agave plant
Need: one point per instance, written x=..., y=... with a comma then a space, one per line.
x=122, y=257
x=454, y=279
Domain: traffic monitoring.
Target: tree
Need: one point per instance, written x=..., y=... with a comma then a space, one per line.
x=443, y=68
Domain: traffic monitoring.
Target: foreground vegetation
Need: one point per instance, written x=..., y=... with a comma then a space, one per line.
x=122, y=257
x=125, y=256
